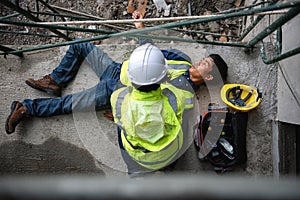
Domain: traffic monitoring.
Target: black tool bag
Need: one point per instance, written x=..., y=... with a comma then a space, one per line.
x=220, y=137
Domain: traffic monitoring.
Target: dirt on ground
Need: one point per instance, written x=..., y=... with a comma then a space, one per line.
x=116, y=10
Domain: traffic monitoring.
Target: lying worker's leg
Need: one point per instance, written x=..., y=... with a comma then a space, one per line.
x=69, y=66
x=88, y=100
x=45, y=107
x=76, y=54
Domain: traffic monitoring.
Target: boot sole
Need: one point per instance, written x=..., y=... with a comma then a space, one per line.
x=48, y=91
x=12, y=108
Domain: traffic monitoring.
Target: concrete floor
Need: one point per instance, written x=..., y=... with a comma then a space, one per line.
x=68, y=144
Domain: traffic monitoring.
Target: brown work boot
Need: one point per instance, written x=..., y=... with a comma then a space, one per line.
x=45, y=84
x=17, y=113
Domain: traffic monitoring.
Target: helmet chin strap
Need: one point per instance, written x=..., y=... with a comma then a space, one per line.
x=236, y=96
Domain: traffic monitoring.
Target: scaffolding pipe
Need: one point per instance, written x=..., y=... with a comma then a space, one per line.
x=278, y=23
x=218, y=17
x=37, y=8
x=250, y=27
x=31, y=17
x=167, y=38
x=29, y=24
x=254, y=4
x=7, y=49
x=205, y=33
x=279, y=40
x=278, y=57
x=50, y=8
x=84, y=14
x=175, y=24
x=10, y=16
x=62, y=15
x=257, y=20
x=76, y=12
x=195, y=21
x=122, y=21
x=183, y=23
x=27, y=33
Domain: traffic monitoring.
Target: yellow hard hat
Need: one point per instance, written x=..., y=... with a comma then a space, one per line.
x=240, y=97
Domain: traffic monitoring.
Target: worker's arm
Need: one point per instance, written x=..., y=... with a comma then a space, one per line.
x=138, y=25
x=138, y=15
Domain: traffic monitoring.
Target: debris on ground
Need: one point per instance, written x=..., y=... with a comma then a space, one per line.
x=122, y=9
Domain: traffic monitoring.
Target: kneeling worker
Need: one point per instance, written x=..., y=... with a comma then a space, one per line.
x=148, y=108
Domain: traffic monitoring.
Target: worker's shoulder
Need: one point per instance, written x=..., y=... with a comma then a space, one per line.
x=175, y=54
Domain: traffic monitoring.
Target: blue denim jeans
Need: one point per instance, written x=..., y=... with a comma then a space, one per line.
x=97, y=97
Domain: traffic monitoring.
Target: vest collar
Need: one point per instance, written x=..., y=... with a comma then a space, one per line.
x=147, y=96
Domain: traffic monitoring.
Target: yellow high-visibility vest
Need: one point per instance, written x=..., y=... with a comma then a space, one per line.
x=150, y=122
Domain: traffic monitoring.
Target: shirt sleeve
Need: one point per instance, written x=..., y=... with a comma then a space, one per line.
x=175, y=54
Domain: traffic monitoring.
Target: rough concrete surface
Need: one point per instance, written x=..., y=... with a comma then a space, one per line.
x=68, y=144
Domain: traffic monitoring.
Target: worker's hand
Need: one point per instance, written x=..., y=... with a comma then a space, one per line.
x=138, y=15
x=108, y=115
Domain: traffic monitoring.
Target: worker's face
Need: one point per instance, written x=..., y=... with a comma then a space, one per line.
x=200, y=71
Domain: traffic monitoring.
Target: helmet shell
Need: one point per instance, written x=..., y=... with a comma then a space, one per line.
x=147, y=65
x=252, y=102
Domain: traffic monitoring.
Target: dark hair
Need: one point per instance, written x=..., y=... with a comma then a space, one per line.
x=221, y=68
x=146, y=88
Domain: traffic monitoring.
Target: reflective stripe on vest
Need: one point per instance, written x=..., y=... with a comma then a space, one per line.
x=189, y=101
x=178, y=64
x=171, y=98
x=120, y=100
x=185, y=88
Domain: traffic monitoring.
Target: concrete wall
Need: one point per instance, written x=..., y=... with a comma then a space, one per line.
x=288, y=76
x=286, y=123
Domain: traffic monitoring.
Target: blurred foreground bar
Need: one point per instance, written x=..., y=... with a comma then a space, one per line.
x=152, y=187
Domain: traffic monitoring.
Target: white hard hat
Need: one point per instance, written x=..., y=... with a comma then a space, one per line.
x=147, y=65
